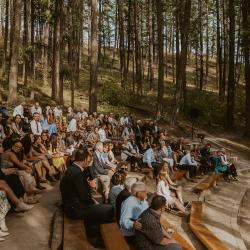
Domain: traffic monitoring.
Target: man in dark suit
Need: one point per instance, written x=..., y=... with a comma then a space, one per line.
x=76, y=187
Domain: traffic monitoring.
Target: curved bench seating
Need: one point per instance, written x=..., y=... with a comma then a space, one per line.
x=207, y=183
x=201, y=231
x=185, y=245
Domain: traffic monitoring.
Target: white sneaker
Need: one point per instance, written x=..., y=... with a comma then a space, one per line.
x=3, y=226
x=2, y=239
x=22, y=207
x=3, y=234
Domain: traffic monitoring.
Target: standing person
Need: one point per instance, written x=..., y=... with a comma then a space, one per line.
x=153, y=236
x=35, y=125
x=131, y=209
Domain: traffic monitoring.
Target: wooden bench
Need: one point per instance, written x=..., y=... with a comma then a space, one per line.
x=185, y=245
x=148, y=172
x=207, y=183
x=201, y=231
x=179, y=174
x=113, y=238
x=74, y=235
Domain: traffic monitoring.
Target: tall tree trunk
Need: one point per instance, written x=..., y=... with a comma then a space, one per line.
x=138, y=64
x=201, y=43
x=207, y=42
x=129, y=32
x=246, y=52
x=151, y=45
x=56, y=53
x=231, y=76
x=45, y=42
x=226, y=43
x=14, y=52
x=219, y=51
x=26, y=39
x=159, y=10
x=183, y=15
x=121, y=42
x=6, y=35
x=93, y=59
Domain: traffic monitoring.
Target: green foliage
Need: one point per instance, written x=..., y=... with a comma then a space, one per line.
x=211, y=109
x=114, y=95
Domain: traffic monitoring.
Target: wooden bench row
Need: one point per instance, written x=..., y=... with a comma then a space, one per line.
x=207, y=183
x=75, y=238
x=201, y=231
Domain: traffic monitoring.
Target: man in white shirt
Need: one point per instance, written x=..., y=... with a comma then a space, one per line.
x=57, y=111
x=187, y=162
x=36, y=109
x=102, y=133
x=72, y=127
x=82, y=114
x=35, y=124
x=124, y=119
x=18, y=110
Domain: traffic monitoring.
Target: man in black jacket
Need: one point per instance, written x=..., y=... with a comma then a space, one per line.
x=76, y=187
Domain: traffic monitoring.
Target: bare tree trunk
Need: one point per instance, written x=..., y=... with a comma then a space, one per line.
x=6, y=35
x=159, y=9
x=56, y=53
x=201, y=43
x=14, y=52
x=231, y=76
x=121, y=42
x=138, y=63
x=151, y=45
x=93, y=59
x=246, y=51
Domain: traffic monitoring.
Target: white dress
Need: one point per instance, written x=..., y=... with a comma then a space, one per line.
x=163, y=190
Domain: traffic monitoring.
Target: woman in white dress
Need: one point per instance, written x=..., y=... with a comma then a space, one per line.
x=163, y=188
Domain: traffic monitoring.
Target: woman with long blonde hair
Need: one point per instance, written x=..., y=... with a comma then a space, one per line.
x=165, y=186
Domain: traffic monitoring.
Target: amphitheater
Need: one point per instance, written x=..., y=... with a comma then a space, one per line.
x=225, y=211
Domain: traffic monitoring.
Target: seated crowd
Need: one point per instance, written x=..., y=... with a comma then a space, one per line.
x=91, y=154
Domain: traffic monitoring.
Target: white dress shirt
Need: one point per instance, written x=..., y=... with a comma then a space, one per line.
x=36, y=110
x=36, y=127
x=57, y=112
x=72, y=127
x=102, y=135
x=18, y=110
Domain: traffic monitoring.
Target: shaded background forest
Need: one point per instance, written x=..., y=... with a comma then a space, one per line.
x=168, y=57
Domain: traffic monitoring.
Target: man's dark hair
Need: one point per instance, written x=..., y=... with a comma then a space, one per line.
x=80, y=154
x=158, y=202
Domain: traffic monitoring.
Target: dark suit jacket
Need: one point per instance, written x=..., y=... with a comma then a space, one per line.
x=74, y=187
